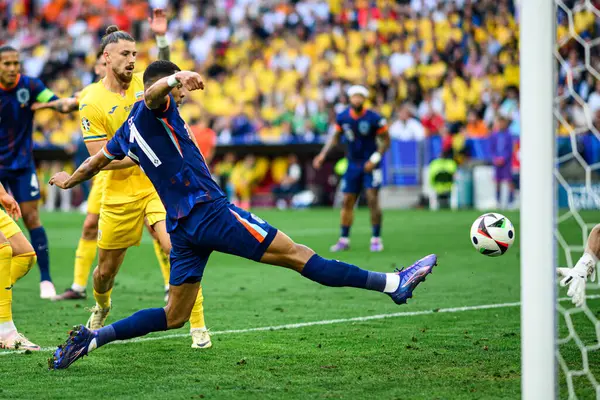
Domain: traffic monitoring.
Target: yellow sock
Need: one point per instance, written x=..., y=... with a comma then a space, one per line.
x=84, y=258
x=163, y=261
x=5, y=285
x=197, y=317
x=21, y=265
x=103, y=299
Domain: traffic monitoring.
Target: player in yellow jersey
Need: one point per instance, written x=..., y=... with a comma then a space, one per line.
x=86, y=248
x=16, y=259
x=129, y=196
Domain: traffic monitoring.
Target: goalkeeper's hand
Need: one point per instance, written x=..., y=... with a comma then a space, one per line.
x=575, y=278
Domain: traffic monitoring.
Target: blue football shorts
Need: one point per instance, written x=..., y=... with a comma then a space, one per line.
x=215, y=226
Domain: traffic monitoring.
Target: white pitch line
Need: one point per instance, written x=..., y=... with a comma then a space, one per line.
x=323, y=322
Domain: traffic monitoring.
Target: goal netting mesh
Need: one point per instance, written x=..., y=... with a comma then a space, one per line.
x=577, y=113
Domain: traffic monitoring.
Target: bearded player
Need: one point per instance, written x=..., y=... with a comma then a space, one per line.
x=366, y=134
x=87, y=248
x=129, y=197
x=200, y=219
x=17, y=169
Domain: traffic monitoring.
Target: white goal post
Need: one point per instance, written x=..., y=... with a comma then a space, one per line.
x=538, y=287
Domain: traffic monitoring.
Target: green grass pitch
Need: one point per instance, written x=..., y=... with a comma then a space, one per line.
x=450, y=353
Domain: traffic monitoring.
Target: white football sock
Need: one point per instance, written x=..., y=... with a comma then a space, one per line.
x=392, y=281
x=7, y=327
x=78, y=288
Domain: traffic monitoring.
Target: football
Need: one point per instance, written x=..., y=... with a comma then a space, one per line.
x=492, y=234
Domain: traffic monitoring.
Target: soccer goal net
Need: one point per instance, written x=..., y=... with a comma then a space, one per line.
x=577, y=114
x=560, y=60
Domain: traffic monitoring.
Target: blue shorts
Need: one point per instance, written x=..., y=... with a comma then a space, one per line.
x=356, y=179
x=215, y=226
x=23, y=184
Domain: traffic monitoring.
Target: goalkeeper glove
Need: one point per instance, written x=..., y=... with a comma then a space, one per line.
x=576, y=277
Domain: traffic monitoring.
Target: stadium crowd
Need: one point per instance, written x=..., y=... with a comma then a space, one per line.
x=276, y=71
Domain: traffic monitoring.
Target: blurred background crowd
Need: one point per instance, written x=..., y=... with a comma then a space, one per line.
x=444, y=73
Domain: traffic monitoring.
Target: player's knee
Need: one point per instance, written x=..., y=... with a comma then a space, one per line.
x=90, y=228
x=104, y=274
x=299, y=256
x=348, y=203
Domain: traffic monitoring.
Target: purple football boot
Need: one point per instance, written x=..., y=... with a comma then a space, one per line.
x=342, y=244
x=81, y=340
x=411, y=277
x=376, y=245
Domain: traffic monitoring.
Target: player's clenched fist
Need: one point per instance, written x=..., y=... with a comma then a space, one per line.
x=190, y=80
x=60, y=179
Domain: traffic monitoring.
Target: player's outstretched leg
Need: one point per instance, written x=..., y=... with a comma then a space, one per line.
x=346, y=219
x=84, y=259
x=82, y=341
x=39, y=241
x=399, y=285
x=375, y=209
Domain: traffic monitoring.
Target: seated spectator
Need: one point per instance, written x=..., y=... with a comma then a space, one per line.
x=244, y=180
x=406, y=127
x=475, y=128
x=223, y=171
x=290, y=184
x=594, y=99
x=431, y=120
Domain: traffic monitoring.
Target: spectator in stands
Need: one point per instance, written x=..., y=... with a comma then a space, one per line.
x=405, y=127
x=290, y=184
x=431, y=105
x=594, y=99
x=501, y=147
x=205, y=137
x=431, y=119
x=475, y=128
x=244, y=180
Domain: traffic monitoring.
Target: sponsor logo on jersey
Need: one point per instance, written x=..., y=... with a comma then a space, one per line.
x=112, y=110
x=81, y=107
x=86, y=124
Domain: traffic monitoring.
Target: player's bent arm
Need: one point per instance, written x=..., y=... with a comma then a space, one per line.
x=86, y=171
x=120, y=164
x=157, y=94
x=95, y=147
